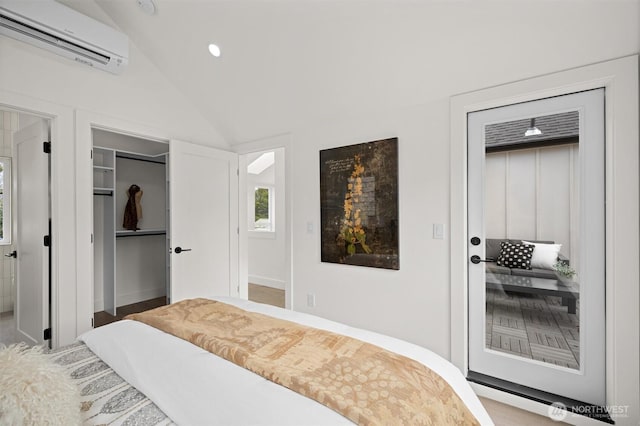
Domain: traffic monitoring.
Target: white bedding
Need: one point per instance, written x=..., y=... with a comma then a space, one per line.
x=194, y=387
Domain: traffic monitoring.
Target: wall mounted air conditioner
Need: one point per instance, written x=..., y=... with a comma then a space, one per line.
x=55, y=27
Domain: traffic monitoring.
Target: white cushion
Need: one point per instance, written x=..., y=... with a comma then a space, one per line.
x=544, y=255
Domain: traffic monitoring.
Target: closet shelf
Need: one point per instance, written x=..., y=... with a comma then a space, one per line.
x=102, y=191
x=103, y=168
x=140, y=232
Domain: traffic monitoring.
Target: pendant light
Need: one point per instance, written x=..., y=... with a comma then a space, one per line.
x=533, y=130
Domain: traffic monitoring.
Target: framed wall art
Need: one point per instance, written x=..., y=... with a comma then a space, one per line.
x=359, y=204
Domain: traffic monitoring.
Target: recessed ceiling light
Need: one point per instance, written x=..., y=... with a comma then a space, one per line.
x=214, y=50
x=147, y=6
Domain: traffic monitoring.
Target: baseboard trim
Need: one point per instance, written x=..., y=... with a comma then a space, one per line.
x=267, y=282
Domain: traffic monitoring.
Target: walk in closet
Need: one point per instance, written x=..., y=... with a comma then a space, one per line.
x=131, y=245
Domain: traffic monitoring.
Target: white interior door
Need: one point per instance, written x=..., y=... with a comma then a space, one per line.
x=32, y=209
x=204, y=221
x=530, y=324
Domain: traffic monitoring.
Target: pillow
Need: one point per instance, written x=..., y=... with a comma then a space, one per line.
x=544, y=255
x=515, y=255
x=35, y=390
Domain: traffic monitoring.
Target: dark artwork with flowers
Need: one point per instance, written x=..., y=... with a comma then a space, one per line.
x=359, y=204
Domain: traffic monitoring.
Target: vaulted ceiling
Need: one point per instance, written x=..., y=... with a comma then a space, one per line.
x=288, y=63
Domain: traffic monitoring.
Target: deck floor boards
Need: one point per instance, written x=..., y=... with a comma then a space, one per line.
x=533, y=326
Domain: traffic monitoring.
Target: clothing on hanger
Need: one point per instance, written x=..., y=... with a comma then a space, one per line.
x=133, y=209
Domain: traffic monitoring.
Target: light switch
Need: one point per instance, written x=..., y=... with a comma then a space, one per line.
x=438, y=231
x=309, y=227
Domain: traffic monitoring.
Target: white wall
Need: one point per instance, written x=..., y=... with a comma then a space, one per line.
x=534, y=194
x=619, y=77
x=41, y=82
x=140, y=269
x=151, y=177
x=414, y=302
x=140, y=94
x=267, y=250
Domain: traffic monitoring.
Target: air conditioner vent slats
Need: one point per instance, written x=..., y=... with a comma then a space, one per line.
x=53, y=26
x=13, y=25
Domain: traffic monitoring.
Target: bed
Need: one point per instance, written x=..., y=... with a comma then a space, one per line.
x=130, y=373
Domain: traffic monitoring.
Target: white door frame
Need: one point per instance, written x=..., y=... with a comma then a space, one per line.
x=63, y=213
x=85, y=122
x=619, y=77
x=71, y=206
x=585, y=382
x=279, y=141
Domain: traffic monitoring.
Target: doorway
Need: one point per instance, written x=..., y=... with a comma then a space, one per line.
x=536, y=229
x=130, y=220
x=25, y=219
x=266, y=225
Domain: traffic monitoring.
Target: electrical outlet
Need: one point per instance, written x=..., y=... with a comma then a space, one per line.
x=311, y=300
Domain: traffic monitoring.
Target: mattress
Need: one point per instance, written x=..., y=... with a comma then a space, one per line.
x=131, y=373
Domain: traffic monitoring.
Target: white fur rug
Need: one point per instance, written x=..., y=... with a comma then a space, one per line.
x=34, y=390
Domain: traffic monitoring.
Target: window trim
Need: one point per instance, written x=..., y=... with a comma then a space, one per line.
x=266, y=233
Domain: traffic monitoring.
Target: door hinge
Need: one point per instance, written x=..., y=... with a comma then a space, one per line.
x=92, y=323
x=46, y=147
x=91, y=154
x=47, y=334
x=237, y=172
x=47, y=241
x=91, y=238
x=238, y=231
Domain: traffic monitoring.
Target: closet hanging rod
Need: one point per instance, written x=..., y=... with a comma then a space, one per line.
x=104, y=194
x=140, y=233
x=131, y=157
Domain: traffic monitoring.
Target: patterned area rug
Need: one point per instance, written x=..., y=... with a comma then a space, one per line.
x=106, y=398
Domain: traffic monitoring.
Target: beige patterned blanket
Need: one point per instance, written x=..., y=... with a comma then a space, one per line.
x=367, y=384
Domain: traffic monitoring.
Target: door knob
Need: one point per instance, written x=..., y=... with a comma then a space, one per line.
x=13, y=254
x=179, y=250
x=475, y=259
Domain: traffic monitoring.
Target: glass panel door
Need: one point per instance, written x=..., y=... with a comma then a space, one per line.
x=536, y=267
